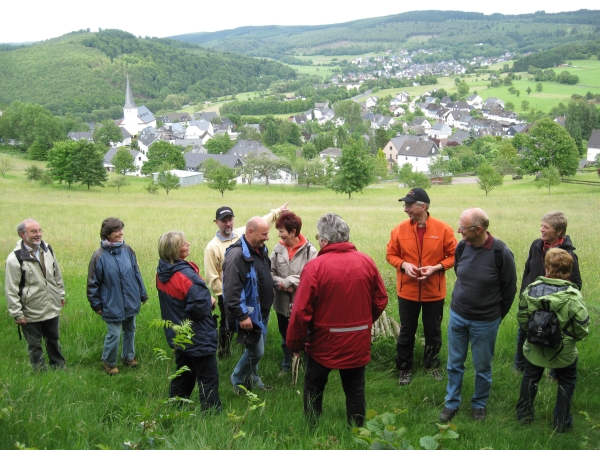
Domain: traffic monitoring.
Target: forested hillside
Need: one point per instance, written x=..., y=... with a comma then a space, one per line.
x=453, y=34
x=86, y=73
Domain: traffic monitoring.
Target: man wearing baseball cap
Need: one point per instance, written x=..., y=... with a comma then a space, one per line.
x=214, y=255
x=421, y=249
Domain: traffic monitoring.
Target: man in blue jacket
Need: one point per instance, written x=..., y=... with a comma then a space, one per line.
x=248, y=296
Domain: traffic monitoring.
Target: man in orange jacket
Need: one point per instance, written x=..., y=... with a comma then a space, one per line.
x=421, y=249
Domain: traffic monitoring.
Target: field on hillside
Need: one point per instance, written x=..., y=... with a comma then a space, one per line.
x=83, y=408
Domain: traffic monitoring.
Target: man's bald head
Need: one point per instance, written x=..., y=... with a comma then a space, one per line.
x=257, y=232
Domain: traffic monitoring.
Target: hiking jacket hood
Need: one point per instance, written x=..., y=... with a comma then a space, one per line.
x=183, y=295
x=566, y=301
x=40, y=297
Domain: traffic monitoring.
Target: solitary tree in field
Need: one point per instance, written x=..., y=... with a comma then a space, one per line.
x=5, y=166
x=550, y=176
x=488, y=178
x=118, y=181
x=311, y=171
x=548, y=143
x=167, y=181
x=89, y=164
x=539, y=87
x=123, y=161
x=355, y=169
x=218, y=176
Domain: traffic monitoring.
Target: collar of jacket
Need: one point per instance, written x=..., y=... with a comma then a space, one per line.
x=247, y=250
x=26, y=256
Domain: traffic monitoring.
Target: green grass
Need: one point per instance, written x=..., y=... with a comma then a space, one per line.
x=82, y=407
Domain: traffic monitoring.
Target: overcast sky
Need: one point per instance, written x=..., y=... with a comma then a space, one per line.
x=39, y=20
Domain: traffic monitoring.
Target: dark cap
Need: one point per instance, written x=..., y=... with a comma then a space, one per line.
x=223, y=212
x=415, y=195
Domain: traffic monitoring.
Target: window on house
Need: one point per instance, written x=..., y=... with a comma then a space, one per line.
x=416, y=159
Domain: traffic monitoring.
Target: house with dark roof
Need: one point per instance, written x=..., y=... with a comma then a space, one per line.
x=458, y=137
x=418, y=154
x=439, y=130
x=390, y=150
x=194, y=161
x=593, y=146
x=182, y=118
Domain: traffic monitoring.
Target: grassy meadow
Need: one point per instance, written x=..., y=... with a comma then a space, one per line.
x=83, y=408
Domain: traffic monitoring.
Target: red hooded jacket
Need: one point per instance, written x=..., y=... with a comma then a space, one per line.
x=340, y=295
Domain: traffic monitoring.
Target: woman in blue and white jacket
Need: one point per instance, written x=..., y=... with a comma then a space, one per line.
x=116, y=291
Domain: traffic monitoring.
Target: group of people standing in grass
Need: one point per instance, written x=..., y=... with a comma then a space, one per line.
x=422, y=248
x=325, y=301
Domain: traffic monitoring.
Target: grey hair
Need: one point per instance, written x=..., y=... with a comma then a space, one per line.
x=418, y=203
x=558, y=221
x=23, y=226
x=332, y=228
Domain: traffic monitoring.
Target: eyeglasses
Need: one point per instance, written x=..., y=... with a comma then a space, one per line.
x=409, y=205
x=40, y=231
x=461, y=228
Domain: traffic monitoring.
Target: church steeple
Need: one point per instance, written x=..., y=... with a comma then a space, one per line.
x=129, y=103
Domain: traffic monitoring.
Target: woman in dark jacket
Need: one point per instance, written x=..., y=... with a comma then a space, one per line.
x=183, y=295
x=116, y=291
x=553, y=235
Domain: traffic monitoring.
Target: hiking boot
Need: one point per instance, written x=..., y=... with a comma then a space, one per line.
x=435, y=374
x=110, y=370
x=284, y=373
x=264, y=387
x=133, y=363
x=405, y=377
x=237, y=390
x=563, y=427
x=552, y=376
x=447, y=414
x=479, y=414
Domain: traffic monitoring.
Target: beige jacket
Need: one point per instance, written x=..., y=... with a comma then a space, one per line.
x=288, y=272
x=214, y=253
x=41, y=296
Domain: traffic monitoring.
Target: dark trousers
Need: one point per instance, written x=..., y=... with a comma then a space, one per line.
x=49, y=331
x=432, y=325
x=225, y=335
x=203, y=371
x=353, y=382
x=282, y=323
x=566, y=378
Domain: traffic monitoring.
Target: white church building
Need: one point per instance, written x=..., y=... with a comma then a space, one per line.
x=135, y=118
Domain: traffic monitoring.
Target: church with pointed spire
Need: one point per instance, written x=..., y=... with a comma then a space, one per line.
x=135, y=118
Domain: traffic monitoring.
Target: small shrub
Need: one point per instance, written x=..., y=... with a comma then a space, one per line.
x=152, y=188
x=34, y=172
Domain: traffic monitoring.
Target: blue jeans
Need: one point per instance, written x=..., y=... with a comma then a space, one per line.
x=246, y=370
x=111, y=341
x=482, y=336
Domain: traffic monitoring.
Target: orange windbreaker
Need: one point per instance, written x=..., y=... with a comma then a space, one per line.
x=438, y=248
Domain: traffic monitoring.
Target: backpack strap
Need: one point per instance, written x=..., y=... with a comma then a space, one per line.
x=22, y=280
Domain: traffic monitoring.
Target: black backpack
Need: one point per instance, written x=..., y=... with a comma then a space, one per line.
x=543, y=329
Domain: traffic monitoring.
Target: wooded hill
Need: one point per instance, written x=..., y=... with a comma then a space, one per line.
x=458, y=35
x=84, y=72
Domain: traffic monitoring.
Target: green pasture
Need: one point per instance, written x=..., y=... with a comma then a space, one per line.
x=83, y=408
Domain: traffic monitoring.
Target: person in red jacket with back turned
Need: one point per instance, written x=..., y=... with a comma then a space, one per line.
x=340, y=295
x=421, y=249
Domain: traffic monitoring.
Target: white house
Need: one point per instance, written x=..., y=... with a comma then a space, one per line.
x=186, y=178
x=200, y=129
x=439, y=130
x=593, y=147
x=390, y=150
x=418, y=154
